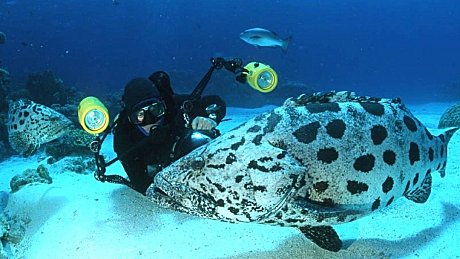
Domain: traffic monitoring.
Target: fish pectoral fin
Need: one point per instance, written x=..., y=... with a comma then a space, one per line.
x=30, y=150
x=422, y=193
x=324, y=236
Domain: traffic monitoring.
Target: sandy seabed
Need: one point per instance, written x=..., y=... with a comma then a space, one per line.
x=79, y=217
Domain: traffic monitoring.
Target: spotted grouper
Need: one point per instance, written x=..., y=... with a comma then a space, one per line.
x=31, y=124
x=316, y=161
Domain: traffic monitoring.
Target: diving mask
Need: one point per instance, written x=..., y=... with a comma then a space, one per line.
x=149, y=112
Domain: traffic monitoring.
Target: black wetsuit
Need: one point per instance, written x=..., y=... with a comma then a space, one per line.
x=157, y=148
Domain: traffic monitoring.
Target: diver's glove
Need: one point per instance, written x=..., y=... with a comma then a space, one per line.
x=202, y=123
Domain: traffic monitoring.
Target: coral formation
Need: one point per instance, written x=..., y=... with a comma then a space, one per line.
x=48, y=89
x=39, y=175
x=74, y=164
x=12, y=229
x=451, y=117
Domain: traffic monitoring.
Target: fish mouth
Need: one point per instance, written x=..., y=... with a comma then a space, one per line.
x=166, y=194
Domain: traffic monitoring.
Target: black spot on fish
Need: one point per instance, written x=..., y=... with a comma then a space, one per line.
x=407, y=187
x=378, y=134
x=438, y=167
x=281, y=155
x=327, y=155
x=322, y=107
x=233, y=210
x=415, y=179
x=376, y=204
x=259, y=188
x=430, y=154
x=221, y=166
x=390, y=201
x=230, y=158
x=373, y=108
x=254, y=128
x=220, y=203
x=442, y=151
x=238, y=178
x=320, y=187
x=389, y=157
x=307, y=134
x=410, y=123
x=21, y=122
x=387, y=185
x=265, y=159
x=238, y=144
x=219, y=187
x=254, y=165
x=355, y=187
x=336, y=128
x=428, y=172
x=364, y=163
x=428, y=134
x=257, y=139
x=414, y=153
x=444, y=164
x=26, y=114
x=272, y=121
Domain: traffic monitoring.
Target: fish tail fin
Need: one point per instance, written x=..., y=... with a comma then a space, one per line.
x=445, y=137
x=286, y=43
x=448, y=133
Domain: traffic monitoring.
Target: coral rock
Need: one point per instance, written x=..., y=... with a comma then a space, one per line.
x=39, y=175
x=451, y=117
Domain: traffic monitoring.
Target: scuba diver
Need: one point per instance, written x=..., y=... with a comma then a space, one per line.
x=154, y=121
x=156, y=126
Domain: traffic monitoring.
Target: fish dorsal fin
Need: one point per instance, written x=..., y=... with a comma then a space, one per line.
x=324, y=236
x=336, y=97
x=421, y=194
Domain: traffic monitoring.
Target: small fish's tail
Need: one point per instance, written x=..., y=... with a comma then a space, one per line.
x=445, y=138
x=285, y=44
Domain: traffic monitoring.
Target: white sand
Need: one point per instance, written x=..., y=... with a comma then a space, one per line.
x=79, y=217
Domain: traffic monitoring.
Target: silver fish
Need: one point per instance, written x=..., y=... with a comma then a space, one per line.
x=316, y=161
x=264, y=38
x=31, y=124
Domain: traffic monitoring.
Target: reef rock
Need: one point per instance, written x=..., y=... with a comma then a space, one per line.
x=75, y=143
x=74, y=164
x=48, y=89
x=30, y=176
x=451, y=117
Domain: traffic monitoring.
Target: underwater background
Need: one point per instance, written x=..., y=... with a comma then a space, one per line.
x=390, y=48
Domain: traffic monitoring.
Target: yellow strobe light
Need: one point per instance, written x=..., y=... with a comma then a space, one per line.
x=93, y=115
x=261, y=77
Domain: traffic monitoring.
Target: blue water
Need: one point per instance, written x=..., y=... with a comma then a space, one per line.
x=388, y=48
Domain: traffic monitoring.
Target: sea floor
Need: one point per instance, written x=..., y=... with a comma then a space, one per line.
x=79, y=217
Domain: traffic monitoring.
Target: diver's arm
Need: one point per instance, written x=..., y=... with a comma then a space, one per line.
x=137, y=174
